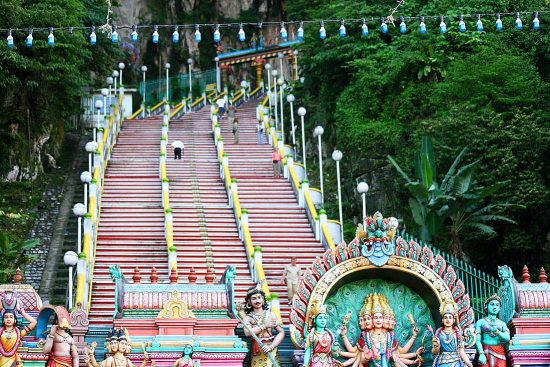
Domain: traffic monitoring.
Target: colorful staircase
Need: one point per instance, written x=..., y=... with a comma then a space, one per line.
x=131, y=219
x=277, y=223
x=205, y=231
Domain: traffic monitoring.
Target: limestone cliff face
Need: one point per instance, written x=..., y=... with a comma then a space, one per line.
x=179, y=11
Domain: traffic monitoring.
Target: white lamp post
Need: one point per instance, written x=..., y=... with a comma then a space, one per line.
x=86, y=178
x=296, y=63
x=144, y=70
x=79, y=210
x=98, y=107
x=280, y=56
x=337, y=156
x=280, y=82
x=302, y=112
x=268, y=68
x=91, y=147
x=363, y=188
x=121, y=67
x=274, y=74
x=218, y=75
x=104, y=93
x=109, y=83
x=167, y=67
x=290, y=100
x=70, y=259
x=190, y=63
x=115, y=77
x=318, y=132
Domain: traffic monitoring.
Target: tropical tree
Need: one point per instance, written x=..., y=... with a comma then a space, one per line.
x=13, y=255
x=446, y=212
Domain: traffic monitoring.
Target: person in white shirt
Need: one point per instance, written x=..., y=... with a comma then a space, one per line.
x=178, y=149
x=221, y=107
x=260, y=133
x=291, y=274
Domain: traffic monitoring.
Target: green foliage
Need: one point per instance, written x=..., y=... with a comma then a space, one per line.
x=12, y=255
x=380, y=94
x=40, y=86
x=459, y=205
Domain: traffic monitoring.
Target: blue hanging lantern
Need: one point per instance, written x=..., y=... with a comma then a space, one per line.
x=342, y=29
x=10, y=39
x=51, y=38
x=93, y=37
x=518, y=23
x=442, y=26
x=134, y=34
x=198, y=36
x=114, y=35
x=498, y=24
x=479, y=23
x=175, y=35
x=322, y=31
x=383, y=26
x=155, y=34
x=536, y=22
x=217, y=34
x=300, y=32
x=242, y=36
x=28, y=41
x=462, y=25
x=284, y=34
x=422, y=28
x=364, y=28
x=402, y=26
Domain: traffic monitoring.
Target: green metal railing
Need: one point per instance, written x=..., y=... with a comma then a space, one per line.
x=155, y=90
x=478, y=284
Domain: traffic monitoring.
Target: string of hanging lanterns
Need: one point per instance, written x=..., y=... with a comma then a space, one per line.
x=112, y=30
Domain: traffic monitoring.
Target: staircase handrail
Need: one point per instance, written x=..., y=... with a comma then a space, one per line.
x=241, y=218
x=155, y=107
x=106, y=138
x=135, y=114
x=167, y=210
x=197, y=101
x=177, y=109
x=316, y=221
x=238, y=96
x=256, y=90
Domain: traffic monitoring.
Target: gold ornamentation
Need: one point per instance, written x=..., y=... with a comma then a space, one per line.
x=175, y=308
x=448, y=306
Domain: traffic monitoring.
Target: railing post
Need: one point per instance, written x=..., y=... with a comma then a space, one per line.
x=323, y=220
x=234, y=189
x=243, y=221
x=258, y=260
x=225, y=163
x=288, y=165
x=303, y=188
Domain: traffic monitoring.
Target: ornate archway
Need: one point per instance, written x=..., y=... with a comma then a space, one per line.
x=378, y=253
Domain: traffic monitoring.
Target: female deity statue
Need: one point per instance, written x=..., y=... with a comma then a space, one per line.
x=494, y=335
x=187, y=359
x=261, y=323
x=319, y=340
x=11, y=336
x=447, y=343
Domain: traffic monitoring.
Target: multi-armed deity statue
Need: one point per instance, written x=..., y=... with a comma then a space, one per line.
x=118, y=346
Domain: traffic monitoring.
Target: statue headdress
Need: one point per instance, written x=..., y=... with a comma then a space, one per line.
x=377, y=304
x=448, y=306
x=367, y=306
x=315, y=309
x=494, y=297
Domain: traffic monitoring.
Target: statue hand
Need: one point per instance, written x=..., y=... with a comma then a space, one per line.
x=18, y=306
x=343, y=330
x=53, y=330
x=266, y=348
x=435, y=342
x=415, y=331
x=482, y=358
x=419, y=351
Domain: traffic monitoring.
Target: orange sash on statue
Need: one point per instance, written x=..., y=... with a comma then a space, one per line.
x=54, y=361
x=496, y=355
